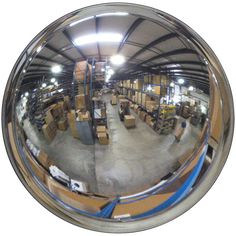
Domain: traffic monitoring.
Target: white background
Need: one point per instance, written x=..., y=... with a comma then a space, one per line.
x=20, y=21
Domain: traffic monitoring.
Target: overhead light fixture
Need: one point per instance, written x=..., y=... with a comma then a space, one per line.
x=172, y=84
x=81, y=20
x=102, y=70
x=39, y=49
x=113, y=14
x=24, y=71
x=190, y=88
x=44, y=85
x=107, y=67
x=56, y=83
x=149, y=88
x=53, y=80
x=110, y=72
x=60, y=90
x=56, y=69
x=30, y=59
x=100, y=37
x=26, y=94
x=181, y=81
x=117, y=60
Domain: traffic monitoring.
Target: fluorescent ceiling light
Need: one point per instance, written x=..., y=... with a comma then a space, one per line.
x=117, y=60
x=113, y=14
x=44, y=85
x=174, y=65
x=60, y=90
x=30, y=59
x=26, y=94
x=180, y=81
x=39, y=49
x=56, y=69
x=172, y=84
x=24, y=71
x=100, y=37
x=53, y=80
x=81, y=20
x=191, y=88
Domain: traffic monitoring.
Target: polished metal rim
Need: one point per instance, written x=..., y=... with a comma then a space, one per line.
x=210, y=176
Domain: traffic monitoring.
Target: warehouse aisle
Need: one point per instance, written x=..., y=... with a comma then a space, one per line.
x=136, y=158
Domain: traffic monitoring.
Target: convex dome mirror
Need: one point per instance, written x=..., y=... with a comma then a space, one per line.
x=117, y=117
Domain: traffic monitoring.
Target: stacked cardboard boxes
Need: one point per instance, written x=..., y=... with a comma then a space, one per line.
x=80, y=101
x=80, y=71
x=145, y=98
x=142, y=115
x=138, y=84
x=129, y=121
x=113, y=100
x=62, y=124
x=83, y=115
x=71, y=116
x=102, y=135
x=151, y=106
x=49, y=131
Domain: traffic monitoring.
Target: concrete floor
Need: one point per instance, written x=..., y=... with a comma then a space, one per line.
x=134, y=160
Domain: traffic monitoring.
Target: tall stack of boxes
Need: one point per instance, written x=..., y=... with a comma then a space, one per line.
x=83, y=71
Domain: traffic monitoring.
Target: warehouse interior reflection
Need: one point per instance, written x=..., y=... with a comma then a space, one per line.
x=113, y=114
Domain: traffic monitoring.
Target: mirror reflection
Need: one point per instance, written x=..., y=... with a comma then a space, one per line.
x=116, y=115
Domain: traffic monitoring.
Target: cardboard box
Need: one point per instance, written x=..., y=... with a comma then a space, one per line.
x=138, y=84
x=156, y=90
x=156, y=79
x=142, y=115
x=80, y=102
x=151, y=106
x=71, y=116
x=49, y=131
x=113, y=100
x=129, y=121
x=81, y=89
x=99, y=67
x=84, y=115
x=103, y=138
x=49, y=118
x=145, y=98
x=62, y=124
x=44, y=160
x=101, y=129
x=121, y=97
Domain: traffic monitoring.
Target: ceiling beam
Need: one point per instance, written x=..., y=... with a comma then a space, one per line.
x=154, y=43
x=66, y=33
x=183, y=69
x=131, y=29
x=181, y=63
x=50, y=60
x=59, y=52
x=170, y=53
x=187, y=73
